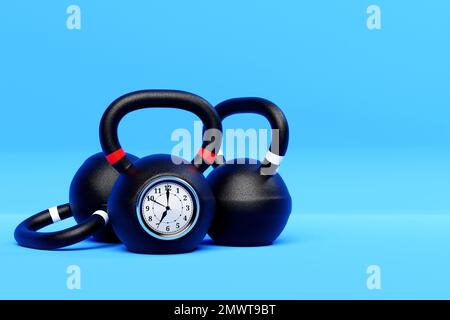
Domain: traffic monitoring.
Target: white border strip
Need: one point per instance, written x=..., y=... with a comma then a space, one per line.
x=102, y=214
x=273, y=158
x=54, y=214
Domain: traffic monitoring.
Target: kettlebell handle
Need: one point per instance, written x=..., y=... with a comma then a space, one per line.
x=276, y=118
x=158, y=99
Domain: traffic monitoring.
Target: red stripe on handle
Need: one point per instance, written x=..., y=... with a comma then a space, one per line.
x=207, y=155
x=115, y=156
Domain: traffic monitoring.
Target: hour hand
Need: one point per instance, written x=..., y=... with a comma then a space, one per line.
x=162, y=217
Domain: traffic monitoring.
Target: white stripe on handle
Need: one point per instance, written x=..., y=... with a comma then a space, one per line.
x=54, y=214
x=102, y=214
x=273, y=158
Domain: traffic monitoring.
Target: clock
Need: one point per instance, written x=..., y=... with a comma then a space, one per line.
x=167, y=208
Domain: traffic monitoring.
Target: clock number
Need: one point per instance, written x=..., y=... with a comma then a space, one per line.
x=150, y=198
x=168, y=187
x=188, y=207
x=178, y=190
x=178, y=225
x=157, y=190
x=147, y=208
x=150, y=218
x=185, y=218
x=167, y=228
x=185, y=198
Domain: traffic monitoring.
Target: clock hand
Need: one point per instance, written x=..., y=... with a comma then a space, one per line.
x=167, y=195
x=162, y=217
x=158, y=203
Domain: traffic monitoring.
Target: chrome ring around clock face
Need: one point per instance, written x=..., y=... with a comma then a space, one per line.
x=175, y=213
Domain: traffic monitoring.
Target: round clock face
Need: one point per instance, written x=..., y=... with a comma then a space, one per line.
x=168, y=208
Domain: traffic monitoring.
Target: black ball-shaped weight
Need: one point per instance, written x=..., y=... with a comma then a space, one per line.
x=160, y=203
x=253, y=203
x=123, y=199
x=252, y=209
x=90, y=190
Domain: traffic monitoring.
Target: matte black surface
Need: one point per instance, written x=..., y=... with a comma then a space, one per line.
x=27, y=235
x=252, y=208
x=263, y=107
x=90, y=189
x=122, y=205
x=134, y=177
x=156, y=99
x=89, y=192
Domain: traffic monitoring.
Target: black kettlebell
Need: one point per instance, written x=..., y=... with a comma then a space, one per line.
x=89, y=192
x=90, y=189
x=160, y=203
x=252, y=201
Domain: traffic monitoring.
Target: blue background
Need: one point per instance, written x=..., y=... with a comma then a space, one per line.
x=368, y=164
